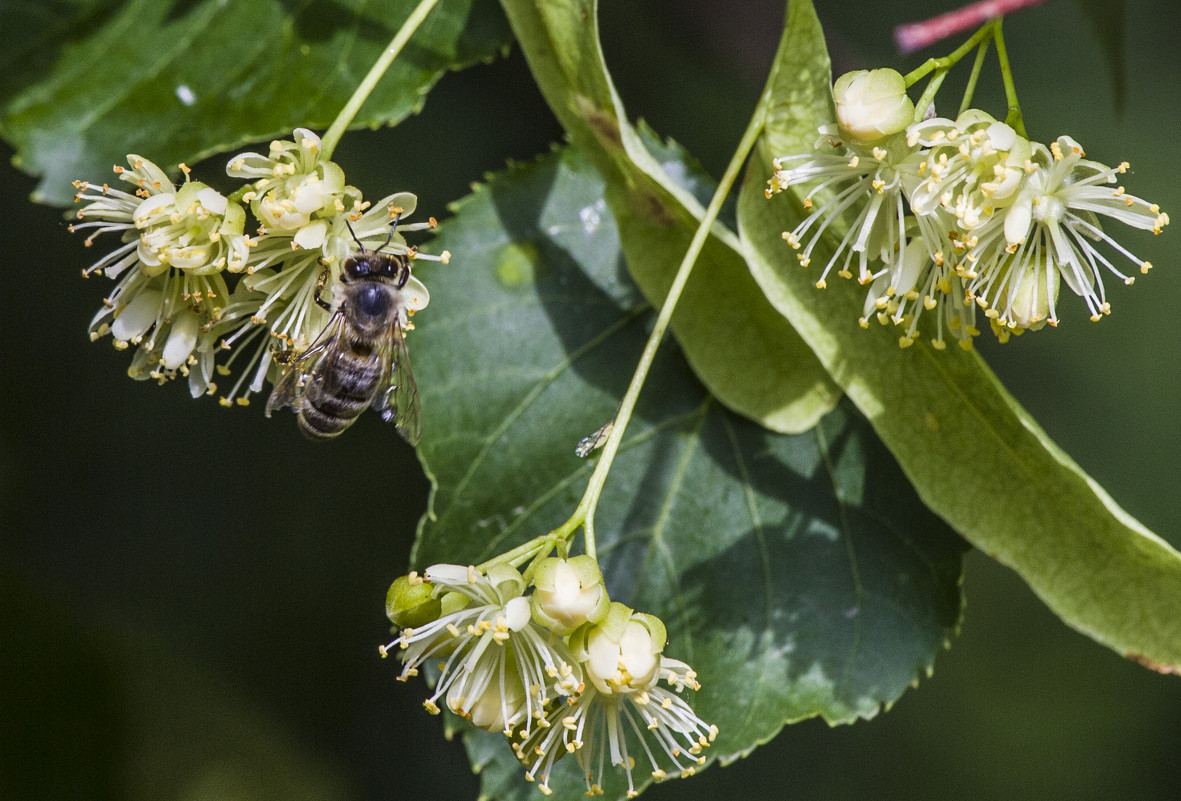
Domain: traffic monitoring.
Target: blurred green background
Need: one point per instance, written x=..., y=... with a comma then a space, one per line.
x=191, y=598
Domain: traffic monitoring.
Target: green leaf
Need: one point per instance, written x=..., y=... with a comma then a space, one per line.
x=975, y=456
x=798, y=574
x=84, y=84
x=743, y=351
x=1107, y=18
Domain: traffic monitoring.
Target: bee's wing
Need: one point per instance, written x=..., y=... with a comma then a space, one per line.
x=397, y=398
x=288, y=392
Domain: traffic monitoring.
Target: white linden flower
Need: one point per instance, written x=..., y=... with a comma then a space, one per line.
x=1054, y=226
x=624, y=701
x=568, y=593
x=170, y=291
x=169, y=318
x=871, y=105
x=975, y=166
x=866, y=184
x=492, y=651
x=293, y=184
x=194, y=229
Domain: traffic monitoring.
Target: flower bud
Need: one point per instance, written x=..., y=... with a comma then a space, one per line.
x=1032, y=294
x=496, y=708
x=620, y=654
x=569, y=592
x=410, y=602
x=872, y=105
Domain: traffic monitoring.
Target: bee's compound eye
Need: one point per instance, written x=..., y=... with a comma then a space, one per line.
x=387, y=267
x=356, y=267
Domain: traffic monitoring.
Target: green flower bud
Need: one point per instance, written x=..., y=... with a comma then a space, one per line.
x=569, y=592
x=410, y=602
x=872, y=105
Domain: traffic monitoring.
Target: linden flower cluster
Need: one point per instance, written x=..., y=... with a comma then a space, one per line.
x=947, y=216
x=172, y=302
x=559, y=670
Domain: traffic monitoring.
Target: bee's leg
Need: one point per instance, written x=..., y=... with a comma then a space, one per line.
x=321, y=282
x=404, y=275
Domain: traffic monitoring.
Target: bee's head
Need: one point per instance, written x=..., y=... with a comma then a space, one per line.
x=372, y=264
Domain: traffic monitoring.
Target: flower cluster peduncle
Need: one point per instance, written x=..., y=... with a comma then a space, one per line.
x=553, y=664
x=172, y=301
x=951, y=216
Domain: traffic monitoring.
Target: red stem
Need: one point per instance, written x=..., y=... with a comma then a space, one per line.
x=917, y=35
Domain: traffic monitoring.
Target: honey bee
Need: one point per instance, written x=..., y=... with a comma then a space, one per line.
x=360, y=358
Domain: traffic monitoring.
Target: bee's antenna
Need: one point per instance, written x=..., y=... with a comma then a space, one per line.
x=355, y=239
x=393, y=227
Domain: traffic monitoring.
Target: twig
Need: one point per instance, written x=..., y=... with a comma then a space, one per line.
x=917, y=35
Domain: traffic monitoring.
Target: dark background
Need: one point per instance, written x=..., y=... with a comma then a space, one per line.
x=191, y=598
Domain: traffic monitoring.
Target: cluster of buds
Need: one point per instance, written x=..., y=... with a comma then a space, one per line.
x=172, y=301
x=948, y=216
x=552, y=663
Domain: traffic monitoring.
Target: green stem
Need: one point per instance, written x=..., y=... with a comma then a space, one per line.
x=949, y=61
x=928, y=96
x=1014, y=117
x=584, y=514
x=345, y=117
x=977, y=66
x=522, y=553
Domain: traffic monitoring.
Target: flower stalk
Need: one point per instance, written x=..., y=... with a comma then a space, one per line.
x=363, y=90
x=584, y=513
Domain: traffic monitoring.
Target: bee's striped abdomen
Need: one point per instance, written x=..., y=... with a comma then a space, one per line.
x=340, y=391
